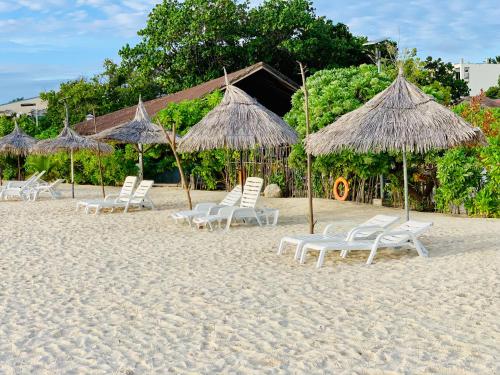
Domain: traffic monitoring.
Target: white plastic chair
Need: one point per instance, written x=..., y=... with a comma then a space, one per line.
x=124, y=195
x=47, y=188
x=202, y=209
x=138, y=199
x=22, y=190
x=405, y=234
x=370, y=227
x=245, y=211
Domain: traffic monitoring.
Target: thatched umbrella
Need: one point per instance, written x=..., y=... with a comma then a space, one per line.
x=69, y=140
x=239, y=122
x=140, y=131
x=17, y=143
x=400, y=118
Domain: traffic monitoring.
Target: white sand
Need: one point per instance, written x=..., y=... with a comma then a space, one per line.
x=136, y=294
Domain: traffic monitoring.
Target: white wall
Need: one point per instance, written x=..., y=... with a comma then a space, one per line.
x=480, y=76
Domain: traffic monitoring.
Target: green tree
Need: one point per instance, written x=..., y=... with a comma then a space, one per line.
x=494, y=91
x=188, y=42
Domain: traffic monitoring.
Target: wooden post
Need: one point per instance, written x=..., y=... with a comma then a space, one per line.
x=19, y=167
x=99, y=156
x=173, y=146
x=72, y=175
x=309, y=159
x=405, y=176
x=141, y=161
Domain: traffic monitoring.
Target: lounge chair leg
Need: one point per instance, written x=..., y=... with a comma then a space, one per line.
x=281, y=248
x=373, y=252
x=321, y=258
x=303, y=255
x=298, y=251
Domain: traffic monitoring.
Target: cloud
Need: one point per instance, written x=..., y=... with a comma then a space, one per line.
x=448, y=29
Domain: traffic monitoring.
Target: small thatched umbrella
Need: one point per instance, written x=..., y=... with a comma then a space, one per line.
x=17, y=143
x=400, y=118
x=140, y=131
x=239, y=122
x=69, y=140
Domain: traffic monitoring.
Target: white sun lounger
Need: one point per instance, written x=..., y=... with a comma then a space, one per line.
x=47, y=188
x=202, y=209
x=370, y=227
x=125, y=193
x=245, y=211
x=405, y=234
x=21, y=190
x=138, y=199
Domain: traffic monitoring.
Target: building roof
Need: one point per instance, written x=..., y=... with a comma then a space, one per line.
x=24, y=107
x=271, y=88
x=485, y=102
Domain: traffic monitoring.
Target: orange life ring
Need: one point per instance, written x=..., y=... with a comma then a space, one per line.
x=336, y=194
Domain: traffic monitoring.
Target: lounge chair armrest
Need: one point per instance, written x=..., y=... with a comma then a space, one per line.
x=408, y=234
x=353, y=232
x=204, y=207
x=109, y=196
x=329, y=228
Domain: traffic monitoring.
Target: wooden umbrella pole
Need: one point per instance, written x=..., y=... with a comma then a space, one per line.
x=72, y=175
x=19, y=167
x=99, y=156
x=141, y=161
x=405, y=176
x=173, y=146
x=242, y=171
x=309, y=159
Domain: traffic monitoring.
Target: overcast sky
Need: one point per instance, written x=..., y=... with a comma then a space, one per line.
x=44, y=42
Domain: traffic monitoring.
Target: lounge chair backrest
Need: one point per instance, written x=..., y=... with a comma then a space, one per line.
x=56, y=183
x=232, y=197
x=412, y=226
x=381, y=221
x=34, y=180
x=142, y=191
x=127, y=189
x=251, y=191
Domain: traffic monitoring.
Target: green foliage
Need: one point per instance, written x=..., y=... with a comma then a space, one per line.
x=494, y=91
x=459, y=174
x=181, y=117
x=458, y=169
x=188, y=42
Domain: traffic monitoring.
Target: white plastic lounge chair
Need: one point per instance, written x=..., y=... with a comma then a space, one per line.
x=202, y=209
x=22, y=191
x=124, y=195
x=47, y=188
x=138, y=199
x=245, y=211
x=405, y=234
x=370, y=227
x=14, y=183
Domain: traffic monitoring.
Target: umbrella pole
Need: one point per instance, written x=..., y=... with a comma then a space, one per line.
x=242, y=172
x=72, y=175
x=405, y=176
x=19, y=167
x=309, y=159
x=99, y=156
x=141, y=161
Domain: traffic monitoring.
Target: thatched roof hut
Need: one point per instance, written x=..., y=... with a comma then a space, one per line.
x=69, y=140
x=239, y=122
x=401, y=117
x=140, y=130
x=17, y=143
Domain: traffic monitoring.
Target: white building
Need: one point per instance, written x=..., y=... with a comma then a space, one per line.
x=478, y=76
x=33, y=107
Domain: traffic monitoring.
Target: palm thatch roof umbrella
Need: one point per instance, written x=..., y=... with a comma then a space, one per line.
x=239, y=122
x=400, y=118
x=140, y=131
x=69, y=140
x=17, y=143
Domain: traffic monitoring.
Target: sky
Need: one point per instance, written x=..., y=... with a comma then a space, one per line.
x=45, y=42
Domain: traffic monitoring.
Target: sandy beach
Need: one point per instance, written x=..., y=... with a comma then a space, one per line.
x=137, y=294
